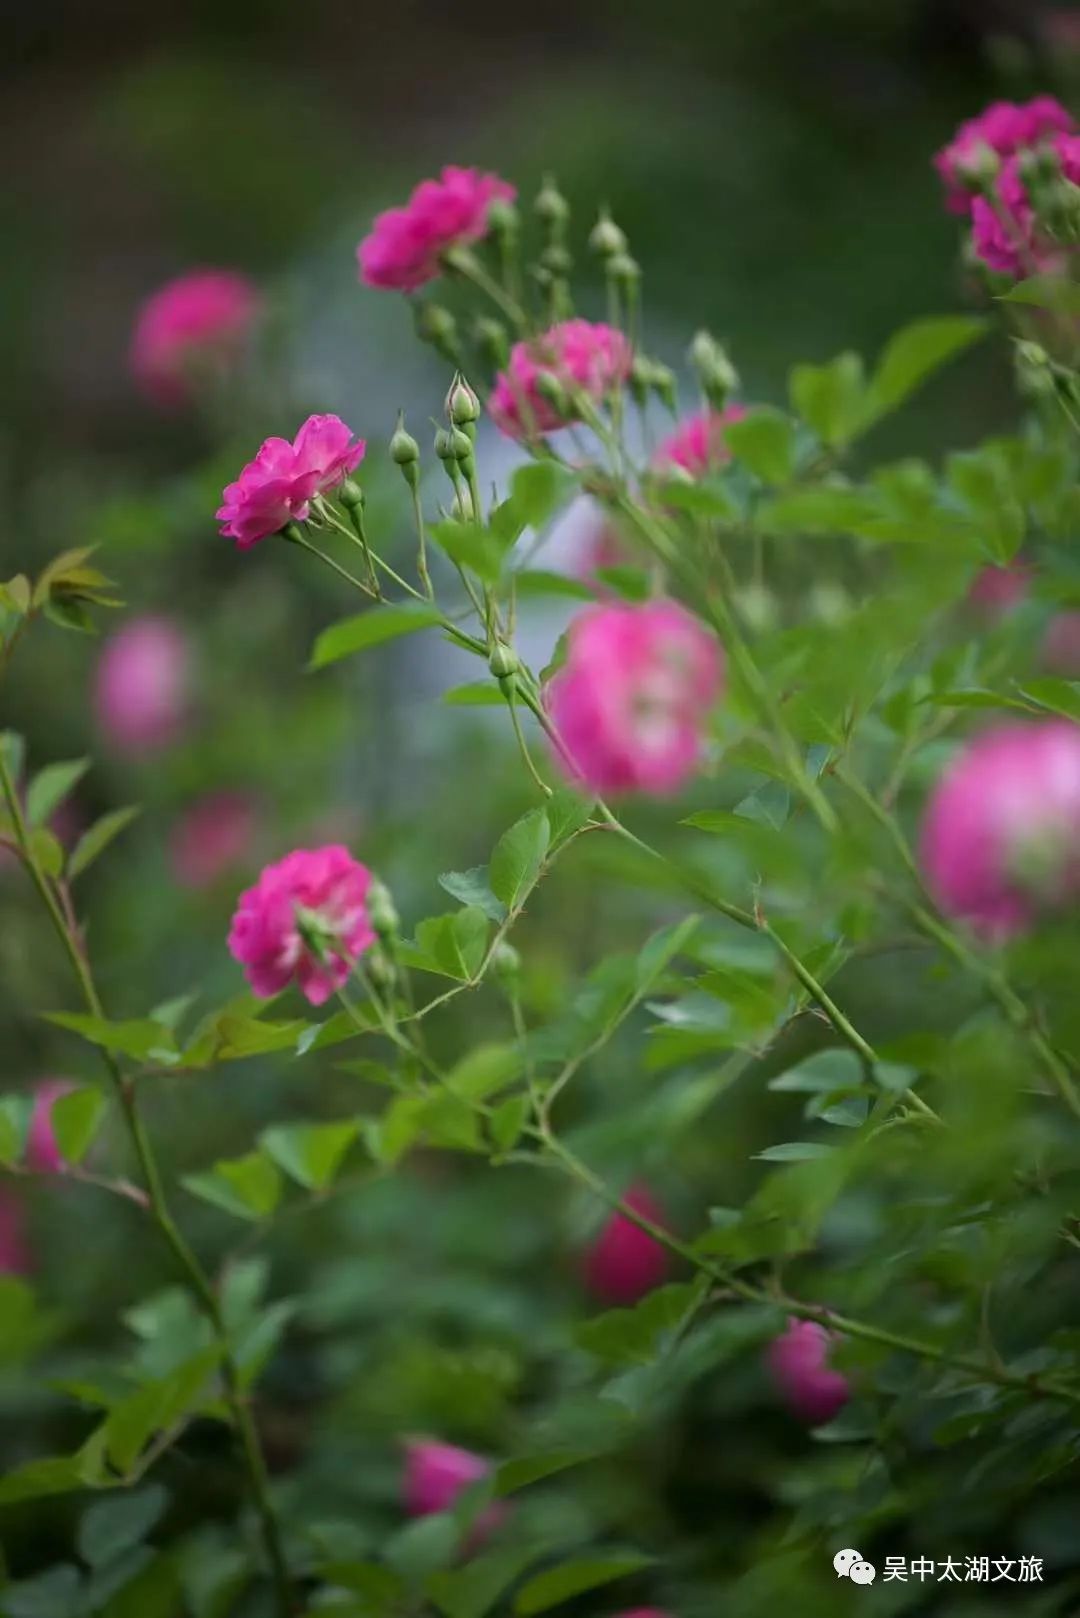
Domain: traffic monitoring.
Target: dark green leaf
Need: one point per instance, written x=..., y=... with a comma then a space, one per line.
x=112, y=1526
x=914, y=354
x=517, y=858
x=76, y=1118
x=573, y=1578
x=97, y=839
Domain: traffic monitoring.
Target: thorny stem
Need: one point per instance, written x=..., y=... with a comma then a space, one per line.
x=124, y=1088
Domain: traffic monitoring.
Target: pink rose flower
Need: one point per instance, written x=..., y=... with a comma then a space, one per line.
x=626, y=1262
x=406, y=245
x=141, y=684
x=630, y=702
x=697, y=443
x=578, y=357
x=212, y=835
x=15, y=1255
x=1004, y=128
x=437, y=1474
x=1061, y=645
x=1007, y=237
x=305, y=919
x=798, y=1363
x=996, y=591
x=196, y=322
x=43, y=1152
x=1001, y=833
x=278, y=486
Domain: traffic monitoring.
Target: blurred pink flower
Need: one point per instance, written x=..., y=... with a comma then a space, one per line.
x=1001, y=833
x=141, y=684
x=405, y=246
x=997, y=590
x=697, y=443
x=631, y=700
x=15, y=1254
x=1006, y=232
x=1003, y=129
x=305, y=918
x=212, y=835
x=625, y=1261
x=198, y=320
x=278, y=486
x=42, y=1149
x=1061, y=645
x=575, y=357
x=437, y=1474
x=798, y=1363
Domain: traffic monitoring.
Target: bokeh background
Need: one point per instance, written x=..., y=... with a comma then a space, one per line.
x=770, y=163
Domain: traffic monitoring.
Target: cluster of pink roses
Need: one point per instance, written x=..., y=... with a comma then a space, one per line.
x=986, y=170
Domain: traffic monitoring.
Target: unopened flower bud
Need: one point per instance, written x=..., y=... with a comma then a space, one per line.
x=351, y=495
x=493, y=341
x=1038, y=166
x=663, y=385
x=437, y=326
x=606, y=239
x=503, y=660
x=379, y=967
x=405, y=451
x=640, y=380
x=506, y=963
x=550, y=388
x=382, y=912
x=556, y=259
x=624, y=271
x=978, y=168
x=462, y=405
x=291, y=532
x=551, y=206
x=717, y=375
x=462, y=508
x=503, y=219
x=460, y=444
x=444, y=445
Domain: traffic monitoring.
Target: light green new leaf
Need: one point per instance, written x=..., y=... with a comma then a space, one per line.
x=371, y=628
x=830, y=398
x=311, y=1154
x=484, y=1071
x=100, y=835
x=76, y=1119
x=470, y=545
x=517, y=858
x=248, y=1187
x=764, y=441
x=140, y=1037
x=50, y=787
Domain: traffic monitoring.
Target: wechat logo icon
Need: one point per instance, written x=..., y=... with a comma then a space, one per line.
x=850, y=1565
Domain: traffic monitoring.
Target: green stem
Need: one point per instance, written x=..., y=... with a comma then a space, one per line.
x=161, y=1214
x=421, y=536
x=466, y=264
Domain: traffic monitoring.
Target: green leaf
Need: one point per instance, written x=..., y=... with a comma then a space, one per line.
x=764, y=441
x=15, y=593
x=913, y=354
x=522, y=1470
x=158, y=1405
x=517, y=858
x=484, y=1071
x=471, y=887
x=50, y=787
x=97, y=839
x=567, y=811
x=1052, y=292
x=537, y=490
x=230, y=1036
x=371, y=628
x=248, y=1187
x=470, y=545
x=112, y=1526
x=140, y=1037
x=507, y=1122
x=475, y=694
x=472, y=1591
x=830, y=398
x=311, y=1154
x=793, y=1151
x=56, y=1593
x=76, y=1119
x=55, y=1474
x=573, y=1578
x=1059, y=696
x=661, y=949
x=452, y=944
x=47, y=851
x=530, y=582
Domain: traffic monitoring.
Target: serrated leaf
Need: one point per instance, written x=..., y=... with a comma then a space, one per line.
x=111, y=1526
x=374, y=627
x=76, y=1118
x=574, y=1578
x=567, y=811
x=311, y=1154
x=97, y=839
x=50, y=787
x=471, y=888
x=913, y=354
x=517, y=858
